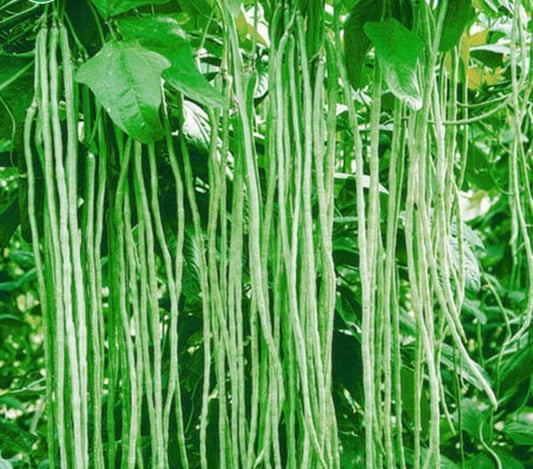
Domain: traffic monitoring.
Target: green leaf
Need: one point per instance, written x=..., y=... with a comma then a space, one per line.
x=12, y=402
x=16, y=93
x=13, y=438
x=9, y=221
x=163, y=34
x=126, y=78
x=516, y=368
x=398, y=50
x=196, y=126
x=472, y=274
x=356, y=42
x=449, y=358
x=472, y=418
x=108, y=8
x=508, y=461
x=458, y=15
x=520, y=432
x=29, y=276
x=197, y=7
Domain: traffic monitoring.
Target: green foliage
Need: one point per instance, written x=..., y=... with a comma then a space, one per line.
x=126, y=78
x=398, y=51
x=459, y=13
x=356, y=41
x=257, y=260
x=164, y=35
x=109, y=8
x=13, y=439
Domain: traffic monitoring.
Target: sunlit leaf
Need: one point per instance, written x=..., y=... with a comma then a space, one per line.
x=126, y=78
x=197, y=7
x=398, y=50
x=520, y=432
x=163, y=34
x=109, y=8
x=234, y=6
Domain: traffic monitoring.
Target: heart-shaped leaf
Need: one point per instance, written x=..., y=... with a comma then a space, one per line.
x=397, y=50
x=126, y=78
x=356, y=42
x=108, y=8
x=164, y=35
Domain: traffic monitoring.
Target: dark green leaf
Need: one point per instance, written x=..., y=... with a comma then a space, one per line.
x=16, y=91
x=472, y=418
x=356, y=42
x=29, y=276
x=13, y=438
x=164, y=35
x=9, y=221
x=9, y=319
x=516, y=368
x=109, y=8
x=126, y=78
x=458, y=14
x=25, y=259
x=398, y=50
x=12, y=402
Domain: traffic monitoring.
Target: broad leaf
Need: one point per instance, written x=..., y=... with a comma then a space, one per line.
x=16, y=93
x=197, y=7
x=472, y=273
x=397, y=50
x=356, y=42
x=126, y=78
x=520, y=432
x=196, y=126
x=458, y=14
x=516, y=368
x=164, y=35
x=473, y=417
x=109, y=8
x=508, y=461
x=13, y=438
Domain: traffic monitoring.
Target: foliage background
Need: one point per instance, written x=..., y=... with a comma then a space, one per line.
x=490, y=164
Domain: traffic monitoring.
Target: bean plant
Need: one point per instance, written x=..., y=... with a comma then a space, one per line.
x=267, y=234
